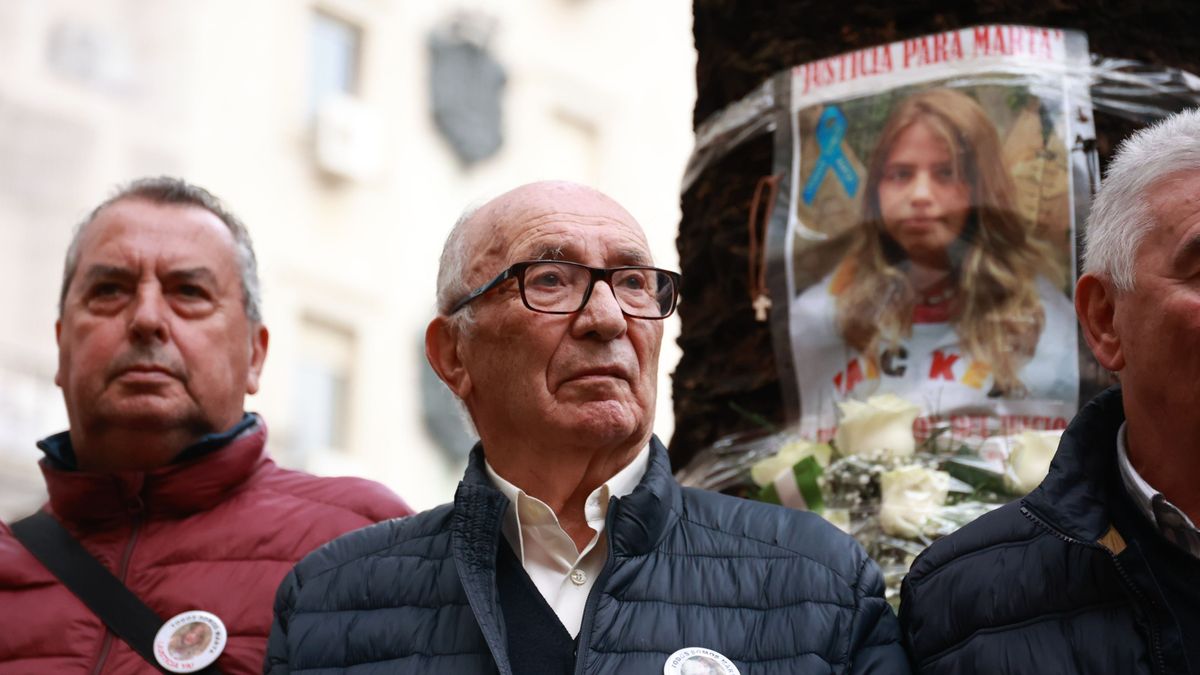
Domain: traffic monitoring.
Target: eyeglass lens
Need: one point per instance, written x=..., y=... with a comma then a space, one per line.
x=557, y=287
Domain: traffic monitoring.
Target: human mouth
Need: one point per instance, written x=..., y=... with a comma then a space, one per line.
x=921, y=223
x=145, y=373
x=602, y=373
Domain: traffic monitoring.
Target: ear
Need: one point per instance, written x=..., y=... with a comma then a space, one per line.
x=442, y=348
x=58, y=373
x=259, y=338
x=1095, y=306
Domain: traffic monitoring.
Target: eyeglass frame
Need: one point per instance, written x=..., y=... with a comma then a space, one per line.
x=517, y=271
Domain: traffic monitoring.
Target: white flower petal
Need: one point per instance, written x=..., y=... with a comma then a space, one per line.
x=881, y=424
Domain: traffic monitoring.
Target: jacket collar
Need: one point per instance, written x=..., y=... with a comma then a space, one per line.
x=203, y=475
x=642, y=519
x=639, y=522
x=1076, y=495
x=1084, y=498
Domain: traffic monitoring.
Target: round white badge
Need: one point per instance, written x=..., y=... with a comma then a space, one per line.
x=190, y=641
x=699, y=661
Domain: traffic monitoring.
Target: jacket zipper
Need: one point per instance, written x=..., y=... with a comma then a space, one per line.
x=122, y=571
x=589, y=609
x=1155, y=642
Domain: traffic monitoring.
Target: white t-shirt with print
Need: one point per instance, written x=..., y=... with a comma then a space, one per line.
x=931, y=371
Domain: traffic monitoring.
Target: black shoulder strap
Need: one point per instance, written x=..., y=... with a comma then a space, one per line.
x=103, y=593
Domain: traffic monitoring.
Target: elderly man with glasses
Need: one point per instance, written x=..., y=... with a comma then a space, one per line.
x=569, y=547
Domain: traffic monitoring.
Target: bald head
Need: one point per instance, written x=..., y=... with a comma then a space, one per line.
x=533, y=381
x=479, y=237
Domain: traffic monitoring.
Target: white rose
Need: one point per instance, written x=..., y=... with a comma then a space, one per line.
x=765, y=471
x=911, y=495
x=880, y=426
x=1029, y=459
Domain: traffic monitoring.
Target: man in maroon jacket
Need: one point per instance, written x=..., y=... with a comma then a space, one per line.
x=162, y=476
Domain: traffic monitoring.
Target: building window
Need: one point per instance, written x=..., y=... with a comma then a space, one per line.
x=334, y=60
x=467, y=86
x=322, y=391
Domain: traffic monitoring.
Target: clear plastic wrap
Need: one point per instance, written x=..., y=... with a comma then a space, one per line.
x=894, y=503
x=733, y=125
x=1134, y=90
x=940, y=456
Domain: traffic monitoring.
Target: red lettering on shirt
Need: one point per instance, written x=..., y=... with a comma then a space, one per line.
x=942, y=366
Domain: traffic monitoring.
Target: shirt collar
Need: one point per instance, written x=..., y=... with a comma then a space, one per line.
x=1137, y=487
x=1172, y=523
x=525, y=509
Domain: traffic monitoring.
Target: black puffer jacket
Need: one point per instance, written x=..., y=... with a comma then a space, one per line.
x=1047, y=584
x=776, y=591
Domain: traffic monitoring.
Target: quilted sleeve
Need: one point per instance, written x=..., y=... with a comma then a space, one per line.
x=875, y=634
x=277, y=644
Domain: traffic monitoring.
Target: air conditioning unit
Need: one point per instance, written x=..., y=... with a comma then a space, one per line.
x=347, y=138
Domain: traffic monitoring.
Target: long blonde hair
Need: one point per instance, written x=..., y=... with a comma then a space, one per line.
x=998, y=314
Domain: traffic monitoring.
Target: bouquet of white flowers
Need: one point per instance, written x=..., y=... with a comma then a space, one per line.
x=876, y=482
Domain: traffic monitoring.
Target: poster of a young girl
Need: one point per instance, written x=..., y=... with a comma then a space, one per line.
x=947, y=293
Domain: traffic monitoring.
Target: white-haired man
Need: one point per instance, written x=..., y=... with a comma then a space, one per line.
x=569, y=547
x=1098, y=569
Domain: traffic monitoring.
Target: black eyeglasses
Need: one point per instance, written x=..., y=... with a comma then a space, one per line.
x=561, y=287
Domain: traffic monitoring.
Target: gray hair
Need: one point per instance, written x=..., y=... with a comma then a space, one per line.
x=1121, y=214
x=169, y=190
x=452, y=287
x=452, y=270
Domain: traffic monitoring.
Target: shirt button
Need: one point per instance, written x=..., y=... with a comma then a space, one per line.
x=578, y=577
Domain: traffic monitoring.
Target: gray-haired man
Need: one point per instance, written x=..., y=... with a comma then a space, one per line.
x=163, y=479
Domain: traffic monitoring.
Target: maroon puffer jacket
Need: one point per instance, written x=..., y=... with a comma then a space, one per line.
x=217, y=533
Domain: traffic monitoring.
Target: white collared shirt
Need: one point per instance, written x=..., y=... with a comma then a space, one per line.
x=1172, y=523
x=562, y=574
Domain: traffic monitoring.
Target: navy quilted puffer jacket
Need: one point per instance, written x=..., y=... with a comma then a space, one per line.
x=1054, y=583
x=776, y=591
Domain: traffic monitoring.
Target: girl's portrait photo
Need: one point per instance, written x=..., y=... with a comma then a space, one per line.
x=189, y=640
x=946, y=285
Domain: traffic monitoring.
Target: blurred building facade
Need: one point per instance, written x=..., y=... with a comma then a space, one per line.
x=348, y=135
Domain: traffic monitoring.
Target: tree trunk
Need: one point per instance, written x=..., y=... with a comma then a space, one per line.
x=726, y=381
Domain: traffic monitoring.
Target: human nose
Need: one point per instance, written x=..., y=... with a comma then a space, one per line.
x=921, y=190
x=149, y=319
x=601, y=316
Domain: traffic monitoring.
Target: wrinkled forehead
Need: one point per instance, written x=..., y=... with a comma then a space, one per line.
x=571, y=224
x=135, y=223
x=140, y=237
x=1174, y=205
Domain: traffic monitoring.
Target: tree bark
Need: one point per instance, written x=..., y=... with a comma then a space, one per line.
x=726, y=381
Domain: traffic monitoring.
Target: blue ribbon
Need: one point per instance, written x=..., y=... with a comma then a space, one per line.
x=831, y=129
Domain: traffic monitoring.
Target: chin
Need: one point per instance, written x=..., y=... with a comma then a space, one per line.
x=607, y=422
x=145, y=417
